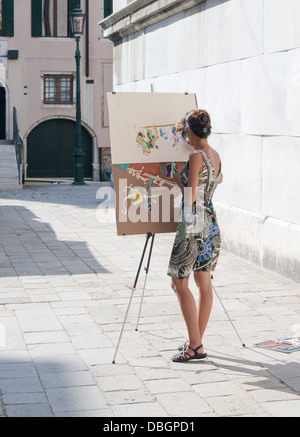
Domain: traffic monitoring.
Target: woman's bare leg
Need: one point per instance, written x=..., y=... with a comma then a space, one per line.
x=203, y=281
x=189, y=311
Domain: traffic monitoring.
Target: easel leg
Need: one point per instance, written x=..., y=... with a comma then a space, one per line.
x=133, y=289
x=146, y=276
x=243, y=344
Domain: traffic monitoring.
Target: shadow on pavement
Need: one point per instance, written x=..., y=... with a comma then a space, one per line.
x=82, y=196
x=29, y=247
x=287, y=372
x=49, y=388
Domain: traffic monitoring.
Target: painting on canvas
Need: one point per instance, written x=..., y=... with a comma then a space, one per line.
x=146, y=151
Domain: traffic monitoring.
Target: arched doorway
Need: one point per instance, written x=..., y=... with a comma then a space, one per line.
x=50, y=147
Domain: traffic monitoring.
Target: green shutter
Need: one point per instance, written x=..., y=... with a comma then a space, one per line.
x=108, y=8
x=8, y=17
x=36, y=18
x=73, y=4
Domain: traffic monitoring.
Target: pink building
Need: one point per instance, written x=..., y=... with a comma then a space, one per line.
x=37, y=77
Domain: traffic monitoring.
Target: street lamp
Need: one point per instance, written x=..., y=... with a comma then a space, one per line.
x=77, y=26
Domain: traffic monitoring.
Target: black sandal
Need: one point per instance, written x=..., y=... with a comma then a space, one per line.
x=184, y=356
x=183, y=346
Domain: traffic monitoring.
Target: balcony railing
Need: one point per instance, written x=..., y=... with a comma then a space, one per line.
x=18, y=146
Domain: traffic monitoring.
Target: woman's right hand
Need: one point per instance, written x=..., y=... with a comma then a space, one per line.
x=177, y=178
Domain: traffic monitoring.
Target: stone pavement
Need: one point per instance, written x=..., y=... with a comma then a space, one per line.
x=63, y=296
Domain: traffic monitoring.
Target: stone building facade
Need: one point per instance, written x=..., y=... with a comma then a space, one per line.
x=38, y=78
x=242, y=59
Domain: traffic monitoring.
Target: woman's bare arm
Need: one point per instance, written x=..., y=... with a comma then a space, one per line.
x=195, y=167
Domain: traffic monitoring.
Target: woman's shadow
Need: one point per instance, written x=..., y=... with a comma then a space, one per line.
x=288, y=373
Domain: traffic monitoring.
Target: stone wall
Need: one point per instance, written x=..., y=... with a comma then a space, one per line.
x=242, y=59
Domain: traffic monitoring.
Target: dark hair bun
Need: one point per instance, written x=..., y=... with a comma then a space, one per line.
x=198, y=121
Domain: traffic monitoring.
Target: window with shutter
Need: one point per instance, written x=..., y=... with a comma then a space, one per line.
x=51, y=18
x=7, y=17
x=108, y=7
x=36, y=18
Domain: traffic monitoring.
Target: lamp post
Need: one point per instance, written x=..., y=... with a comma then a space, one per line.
x=77, y=27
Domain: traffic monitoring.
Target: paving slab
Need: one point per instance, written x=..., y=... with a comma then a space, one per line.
x=65, y=285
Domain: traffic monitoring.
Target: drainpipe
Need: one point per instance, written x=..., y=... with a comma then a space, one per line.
x=87, y=48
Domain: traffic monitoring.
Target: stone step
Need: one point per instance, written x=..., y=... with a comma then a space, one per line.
x=6, y=149
x=7, y=157
x=10, y=186
x=9, y=176
x=4, y=142
x=9, y=172
x=5, y=163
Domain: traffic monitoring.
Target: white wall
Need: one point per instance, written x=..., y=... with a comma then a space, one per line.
x=281, y=25
x=242, y=59
x=119, y=4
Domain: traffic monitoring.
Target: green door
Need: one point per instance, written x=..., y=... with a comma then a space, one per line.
x=50, y=148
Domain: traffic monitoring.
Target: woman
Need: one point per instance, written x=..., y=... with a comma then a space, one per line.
x=196, y=248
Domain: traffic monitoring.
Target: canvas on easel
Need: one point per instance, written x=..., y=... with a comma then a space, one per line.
x=146, y=150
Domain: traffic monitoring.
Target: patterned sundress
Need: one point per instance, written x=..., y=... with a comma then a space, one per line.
x=198, y=239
